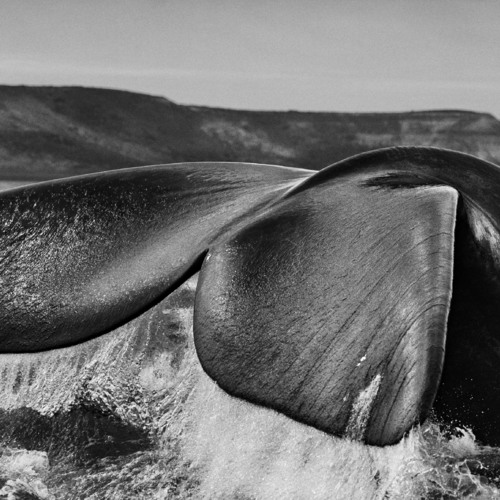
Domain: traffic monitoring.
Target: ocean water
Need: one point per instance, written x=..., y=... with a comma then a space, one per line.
x=131, y=415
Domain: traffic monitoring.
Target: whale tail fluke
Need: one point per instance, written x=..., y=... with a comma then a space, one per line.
x=344, y=299
x=368, y=296
x=80, y=256
x=333, y=308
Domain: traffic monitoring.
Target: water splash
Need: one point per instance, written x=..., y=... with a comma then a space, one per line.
x=243, y=451
x=22, y=474
x=360, y=413
x=132, y=415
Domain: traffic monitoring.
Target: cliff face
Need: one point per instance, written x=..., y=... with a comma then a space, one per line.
x=50, y=132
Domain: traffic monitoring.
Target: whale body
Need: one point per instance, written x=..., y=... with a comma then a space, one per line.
x=359, y=299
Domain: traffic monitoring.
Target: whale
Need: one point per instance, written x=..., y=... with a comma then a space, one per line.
x=360, y=300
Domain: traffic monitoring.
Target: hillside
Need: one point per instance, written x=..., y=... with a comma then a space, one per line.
x=60, y=131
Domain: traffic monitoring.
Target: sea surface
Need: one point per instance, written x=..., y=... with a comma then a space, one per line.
x=131, y=415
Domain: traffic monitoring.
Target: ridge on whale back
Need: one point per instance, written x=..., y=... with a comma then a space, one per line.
x=358, y=299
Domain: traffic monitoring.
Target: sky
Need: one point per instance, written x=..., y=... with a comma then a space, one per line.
x=318, y=55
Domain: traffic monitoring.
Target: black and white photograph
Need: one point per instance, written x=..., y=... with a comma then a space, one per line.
x=249, y=250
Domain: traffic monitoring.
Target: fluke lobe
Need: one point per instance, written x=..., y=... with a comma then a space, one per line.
x=358, y=299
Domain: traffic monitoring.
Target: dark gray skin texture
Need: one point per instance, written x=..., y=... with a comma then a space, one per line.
x=365, y=287
x=469, y=389
x=337, y=289
x=81, y=256
x=358, y=299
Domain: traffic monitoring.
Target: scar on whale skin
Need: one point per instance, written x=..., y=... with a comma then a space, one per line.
x=356, y=299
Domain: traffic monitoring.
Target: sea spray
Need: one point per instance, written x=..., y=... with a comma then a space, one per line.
x=22, y=474
x=244, y=451
x=239, y=450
